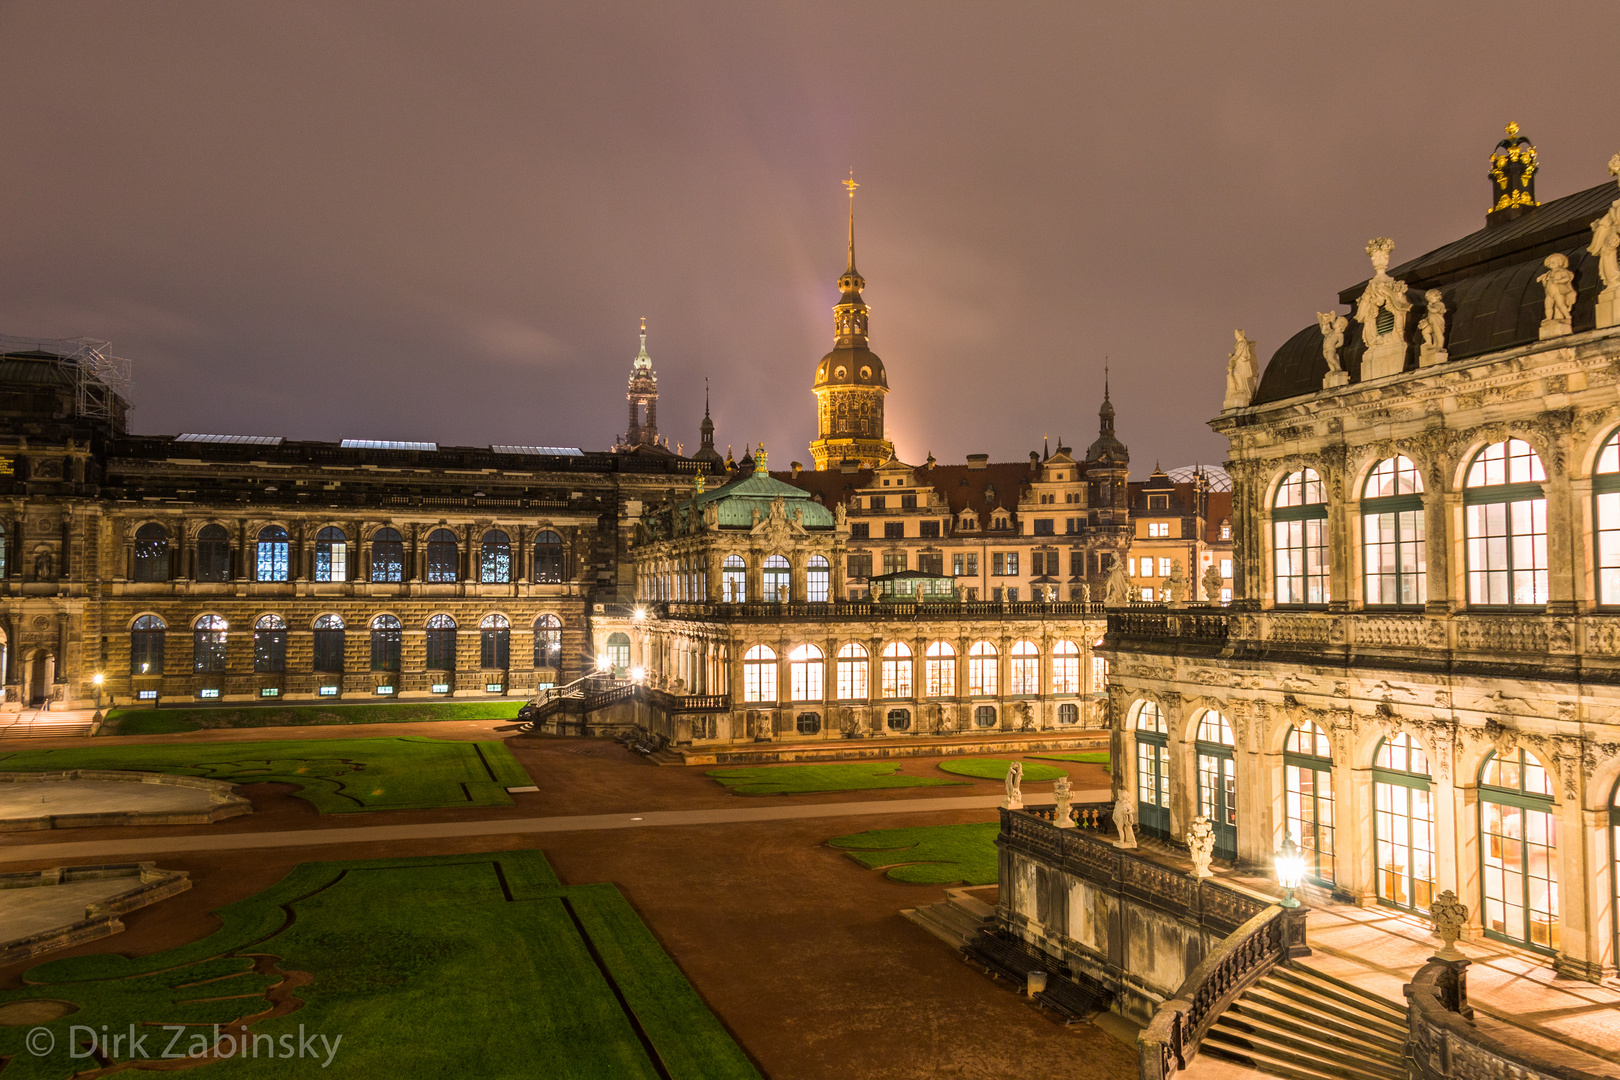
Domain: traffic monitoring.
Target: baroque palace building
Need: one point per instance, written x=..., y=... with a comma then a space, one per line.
x=1419, y=679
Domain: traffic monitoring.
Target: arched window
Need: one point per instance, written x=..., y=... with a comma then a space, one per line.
x=1065, y=667
x=208, y=644
x=331, y=555
x=494, y=643
x=899, y=719
x=1308, y=783
x=896, y=670
x=151, y=553
x=1505, y=519
x=984, y=716
x=1217, y=780
x=329, y=634
x=146, y=645
x=1403, y=825
x=1392, y=531
x=1606, y=495
x=548, y=557
x=270, y=644
x=1299, y=540
x=213, y=553
x=817, y=580
x=618, y=654
x=270, y=559
x=734, y=580
x=1518, y=851
x=495, y=558
x=777, y=576
x=443, y=556
x=759, y=674
x=983, y=675
x=940, y=670
x=385, y=635
x=807, y=670
x=1152, y=769
x=441, y=643
x=548, y=642
x=1026, y=668
x=853, y=669
x=387, y=556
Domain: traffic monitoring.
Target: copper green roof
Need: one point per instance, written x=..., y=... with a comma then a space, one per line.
x=740, y=498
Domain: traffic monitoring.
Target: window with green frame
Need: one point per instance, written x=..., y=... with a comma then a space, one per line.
x=1518, y=851
x=1606, y=500
x=1152, y=769
x=1392, y=535
x=1308, y=787
x=1505, y=524
x=1403, y=824
x=1299, y=541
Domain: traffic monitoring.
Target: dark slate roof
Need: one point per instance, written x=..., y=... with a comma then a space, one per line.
x=960, y=486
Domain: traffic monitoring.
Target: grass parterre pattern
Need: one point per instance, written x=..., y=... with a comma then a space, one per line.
x=996, y=769
x=457, y=965
x=930, y=855
x=174, y=721
x=339, y=776
x=804, y=779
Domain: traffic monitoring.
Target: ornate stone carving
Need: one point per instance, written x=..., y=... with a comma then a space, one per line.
x=1125, y=822
x=1201, y=845
x=1383, y=298
x=1333, y=326
x=1558, y=288
x=1449, y=916
x=1061, y=793
x=1015, y=779
x=1242, y=373
x=1433, y=328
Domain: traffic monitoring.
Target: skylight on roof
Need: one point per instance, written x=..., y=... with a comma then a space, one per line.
x=386, y=444
x=232, y=440
x=543, y=451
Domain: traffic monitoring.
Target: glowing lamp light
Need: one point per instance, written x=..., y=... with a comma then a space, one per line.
x=1290, y=870
x=97, y=678
x=637, y=674
x=604, y=662
x=640, y=614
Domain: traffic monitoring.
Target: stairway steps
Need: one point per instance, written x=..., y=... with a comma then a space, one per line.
x=1263, y=1054
x=1278, y=1014
x=949, y=921
x=1323, y=1002
x=1286, y=1069
x=1342, y=992
x=1285, y=1031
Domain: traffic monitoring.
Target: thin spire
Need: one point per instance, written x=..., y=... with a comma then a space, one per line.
x=705, y=397
x=852, y=185
x=1105, y=376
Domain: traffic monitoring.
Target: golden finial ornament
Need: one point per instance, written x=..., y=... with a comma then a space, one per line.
x=1513, y=127
x=850, y=183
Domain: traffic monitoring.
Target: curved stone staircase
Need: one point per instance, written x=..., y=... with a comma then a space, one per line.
x=1300, y=1024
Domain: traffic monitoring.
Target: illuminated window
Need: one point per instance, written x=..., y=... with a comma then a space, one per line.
x=548, y=642
x=1026, y=668
x=817, y=580
x=443, y=556
x=1217, y=780
x=896, y=670
x=208, y=644
x=1518, y=848
x=1505, y=522
x=151, y=553
x=387, y=556
x=1152, y=769
x=940, y=670
x=1606, y=494
x=494, y=643
x=1392, y=529
x=270, y=644
x=495, y=558
x=146, y=638
x=853, y=669
x=1065, y=668
x=734, y=580
x=777, y=576
x=331, y=555
x=807, y=669
x=1299, y=540
x=1308, y=788
x=759, y=674
x=1403, y=825
x=441, y=643
x=270, y=562
x=548, y=557
x=983, y=675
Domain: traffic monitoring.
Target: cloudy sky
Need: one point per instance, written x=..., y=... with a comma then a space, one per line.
x=443, y=220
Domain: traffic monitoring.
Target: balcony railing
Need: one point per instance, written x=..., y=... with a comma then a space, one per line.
x=855, y=609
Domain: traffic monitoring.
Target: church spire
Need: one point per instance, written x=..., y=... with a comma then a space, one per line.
x=852, y=185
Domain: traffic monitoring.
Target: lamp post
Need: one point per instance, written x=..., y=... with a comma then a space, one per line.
x=97, y=680
x=1290, y=870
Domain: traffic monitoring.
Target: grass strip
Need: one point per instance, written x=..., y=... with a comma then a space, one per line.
x=176, y=721
x=804, y=779
x=930, y=855
x=996, y=769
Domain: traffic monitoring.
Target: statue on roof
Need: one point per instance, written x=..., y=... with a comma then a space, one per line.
x=1118, y=587
x=1382, y=294
x=1242, y=373
x=1558, y=288
x=1333, y=326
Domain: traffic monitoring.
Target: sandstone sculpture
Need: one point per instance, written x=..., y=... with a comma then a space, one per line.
x=1201, y=845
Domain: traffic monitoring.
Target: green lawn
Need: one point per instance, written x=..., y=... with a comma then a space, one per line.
x=1095, y=757
x=172, y=721
x=996, y=769
x=932, y=855
x=801, y=779
x=339, y=776
x=456, y=965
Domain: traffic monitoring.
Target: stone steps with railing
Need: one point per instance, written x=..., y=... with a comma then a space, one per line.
x=1300, y=1024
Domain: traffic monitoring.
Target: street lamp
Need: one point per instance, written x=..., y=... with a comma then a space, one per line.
x=603, y=662
x=639, y=614
x=638, y=673
x=1290, y=870
x=96, y=678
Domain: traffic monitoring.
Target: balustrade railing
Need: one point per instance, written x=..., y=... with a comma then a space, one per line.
x=856, y=609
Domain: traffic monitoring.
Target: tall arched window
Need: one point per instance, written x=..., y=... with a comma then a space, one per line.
x=385, y=635
x=1506, y=525
x=387, y=556
x=1217, y=780
x=1606, y=495
x=853, y=671
x=1152, y=770
x=734, y=580
x=940, y=663
x=213, y=553
x=1026, y=668
x=208, y=644
x=270, y=560
x=1065, y=667
x=331, y=555
x=984, y=678
x=1392, y=530
x=151, y=553
x=2, y=560
x=441, y=643
x=759, y=674
x=495, y=558
x=1308, y=784
x=1299, y=540
x=270, y=644
x=896, y=670
x=146, y=645
x=817, y=580
x=807, y=670
x=777, y=576
x=1518, y=851
x=548, y=557
x=548, y=642
x=618, y=650
x=495, y=643
x=329, y=636
x=443, y=556
x=1403, y=824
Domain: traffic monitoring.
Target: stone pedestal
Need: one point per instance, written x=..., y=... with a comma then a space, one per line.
x=1453, y=986
x=1608, y=307
x=1386, y=358
x=1294, y=931
x=1428, y=357
x=1551, y=328
x=1334, y=379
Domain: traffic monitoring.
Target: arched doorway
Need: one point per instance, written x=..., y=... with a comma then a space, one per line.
x=1217, y=780
x=41, y=674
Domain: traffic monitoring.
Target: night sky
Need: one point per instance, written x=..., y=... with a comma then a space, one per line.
x=442, y=221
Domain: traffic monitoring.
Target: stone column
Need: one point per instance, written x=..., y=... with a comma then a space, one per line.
x=1583, y=526
x=1578, y=944
x=1563, y=542
x=1441, y=509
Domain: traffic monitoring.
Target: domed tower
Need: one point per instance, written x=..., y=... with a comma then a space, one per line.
x=643, y=398
x=850, y=381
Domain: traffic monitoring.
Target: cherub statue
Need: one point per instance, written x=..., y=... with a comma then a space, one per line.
x=1558, y=285
x=1062, y=792
x=1434, y=321
x=1125, y=822
x=1606, y=237
x=1015, y=780
x=1201, y=845
x=1333, y=326
x=1242, y=374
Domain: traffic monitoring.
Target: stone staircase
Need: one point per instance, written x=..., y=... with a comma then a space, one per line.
x=1300, y=1024
x=956, y=920
x=39, y=724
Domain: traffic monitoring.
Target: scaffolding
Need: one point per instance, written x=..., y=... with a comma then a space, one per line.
x=101, y=383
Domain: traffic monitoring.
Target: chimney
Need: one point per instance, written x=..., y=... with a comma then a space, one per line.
x=978, y=461
x=796, y=469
